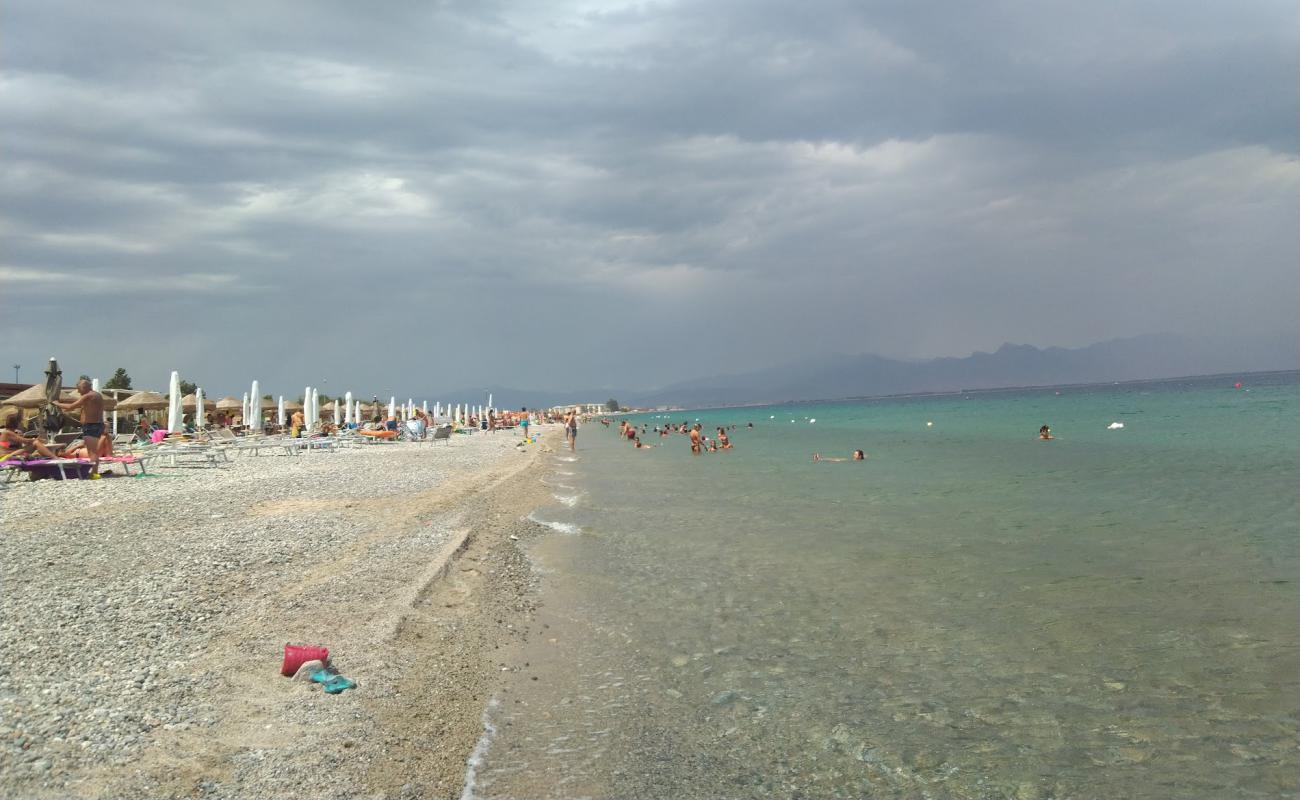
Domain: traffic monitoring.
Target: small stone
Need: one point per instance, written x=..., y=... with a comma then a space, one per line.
x=725, y=698
x=681, y=661
x=305, y=672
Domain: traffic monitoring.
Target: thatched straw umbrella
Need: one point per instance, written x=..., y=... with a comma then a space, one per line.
x=229, y=404
x=292, y=406
x=268, y=404
x=143, y=401
x=31, y=397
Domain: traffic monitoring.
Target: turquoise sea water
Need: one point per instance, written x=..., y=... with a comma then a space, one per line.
x=969, y=613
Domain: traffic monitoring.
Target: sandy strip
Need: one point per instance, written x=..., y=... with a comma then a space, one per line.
x=142, y=622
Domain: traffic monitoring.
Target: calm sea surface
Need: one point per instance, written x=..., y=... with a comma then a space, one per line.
x=970, y=613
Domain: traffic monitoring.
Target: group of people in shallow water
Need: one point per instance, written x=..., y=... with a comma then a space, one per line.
x=699, y=441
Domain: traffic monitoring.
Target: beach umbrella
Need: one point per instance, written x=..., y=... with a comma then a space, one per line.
x=244, y=412
x=31, y=397
x=306, y=406
x=174, y=413
x=268, y=405
x=279, y=416
x=189, y=402
x=349, y=409
x=489, y=399
x=200, y=421
x=227, y=404
x=315, y=407
x=255, y=406
x=145, y=401
x=338, y=414
x=53, y=380
x=94, y=387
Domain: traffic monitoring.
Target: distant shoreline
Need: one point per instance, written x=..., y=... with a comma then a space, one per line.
x=991, y=390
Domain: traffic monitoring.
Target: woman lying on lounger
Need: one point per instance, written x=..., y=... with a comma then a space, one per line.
x=78, y=450
x=14, y=444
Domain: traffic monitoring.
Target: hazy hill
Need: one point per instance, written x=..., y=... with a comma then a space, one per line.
x=837, y=376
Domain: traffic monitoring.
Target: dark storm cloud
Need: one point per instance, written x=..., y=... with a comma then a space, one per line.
x=578, y=194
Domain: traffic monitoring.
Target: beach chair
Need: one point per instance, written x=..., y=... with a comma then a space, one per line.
x=442, y=432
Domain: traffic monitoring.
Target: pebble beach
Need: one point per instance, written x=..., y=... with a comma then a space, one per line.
x=143, y=620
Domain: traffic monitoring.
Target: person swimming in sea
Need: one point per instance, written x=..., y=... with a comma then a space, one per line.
x=858, y=455
x=1045, y=433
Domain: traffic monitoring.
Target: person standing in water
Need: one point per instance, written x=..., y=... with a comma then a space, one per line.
x=1045, y=433
x=571, y=430
x=91, y=404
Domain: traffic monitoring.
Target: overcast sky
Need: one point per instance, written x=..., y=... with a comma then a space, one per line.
x=414, y=197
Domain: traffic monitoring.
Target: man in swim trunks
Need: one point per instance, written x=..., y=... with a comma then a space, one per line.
x=91, y=404
x=695, y=440
x=523, y=420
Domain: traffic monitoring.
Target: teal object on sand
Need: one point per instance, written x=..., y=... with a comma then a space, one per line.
x=331, y=682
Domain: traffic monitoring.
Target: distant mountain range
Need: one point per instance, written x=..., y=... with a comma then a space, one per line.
x=840, y=376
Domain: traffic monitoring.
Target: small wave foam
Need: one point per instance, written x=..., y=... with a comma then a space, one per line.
x=562, y=527
x=562, y=472
x=566, y=458
x=569, y=500
x=481, y=748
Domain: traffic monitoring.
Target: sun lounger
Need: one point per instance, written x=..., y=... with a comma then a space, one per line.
x=377, y=437
x=69, y=468
x=442, y=432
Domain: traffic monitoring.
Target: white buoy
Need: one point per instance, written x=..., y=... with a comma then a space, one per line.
x=1114, y=426
x=929, y=424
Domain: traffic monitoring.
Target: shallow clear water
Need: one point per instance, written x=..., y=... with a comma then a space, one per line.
x=969, y=613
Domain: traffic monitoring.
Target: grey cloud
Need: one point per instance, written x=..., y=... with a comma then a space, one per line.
x=655, y=189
